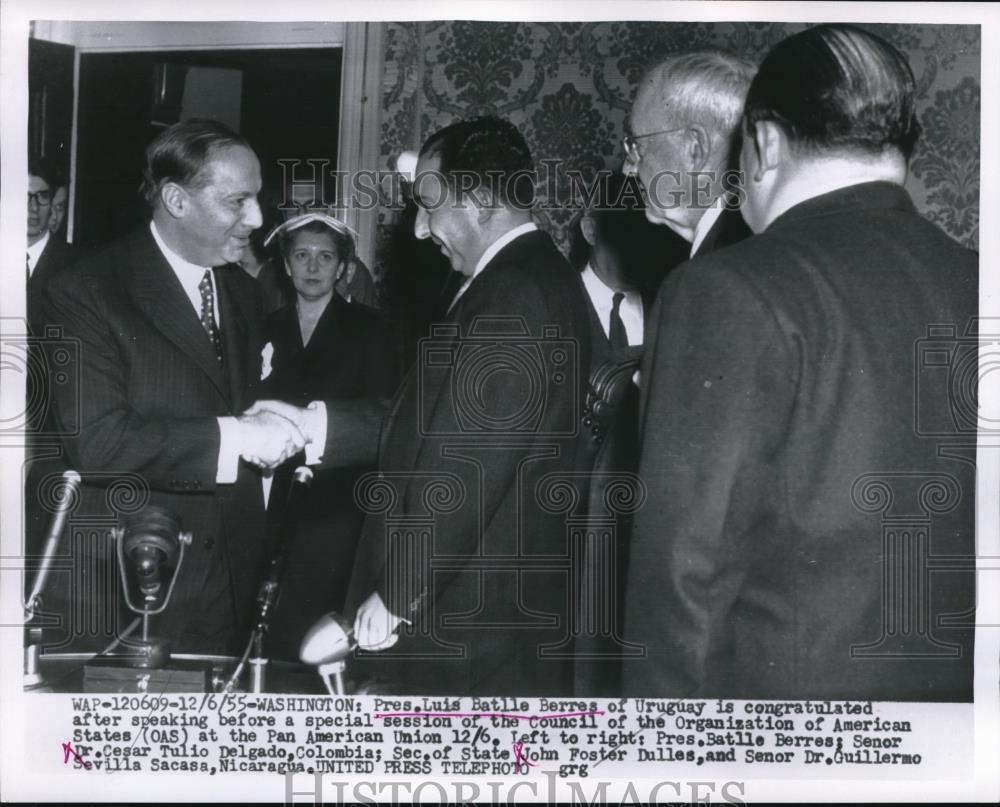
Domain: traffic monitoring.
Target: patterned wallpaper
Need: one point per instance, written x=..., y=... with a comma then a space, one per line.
x=568, y=87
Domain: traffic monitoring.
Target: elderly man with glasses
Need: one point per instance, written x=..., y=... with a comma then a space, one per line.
x=680, y=143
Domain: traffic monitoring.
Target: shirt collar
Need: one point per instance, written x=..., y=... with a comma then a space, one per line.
x=182, y=268
x=35, y=251
x=708, y=218
x=500, y=243
x=490, y=254
x=601, y=293
x=804, y=189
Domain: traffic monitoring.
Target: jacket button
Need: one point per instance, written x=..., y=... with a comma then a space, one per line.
x=197, y=484
x=209, y=543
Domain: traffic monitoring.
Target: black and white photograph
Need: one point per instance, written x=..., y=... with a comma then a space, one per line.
x=414, y=402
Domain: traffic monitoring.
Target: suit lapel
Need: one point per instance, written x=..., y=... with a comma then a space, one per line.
x=158, y=294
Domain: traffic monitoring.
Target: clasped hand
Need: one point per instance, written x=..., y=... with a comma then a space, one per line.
x=271, y=432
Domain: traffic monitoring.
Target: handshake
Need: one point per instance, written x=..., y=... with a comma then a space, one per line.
x=272, y=431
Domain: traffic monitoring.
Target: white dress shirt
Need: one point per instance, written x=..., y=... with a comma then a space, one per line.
x=602, y=297
x=491, y=252
x=227, y=468
x=35, y=252
x=708, y=218
x=189, y=275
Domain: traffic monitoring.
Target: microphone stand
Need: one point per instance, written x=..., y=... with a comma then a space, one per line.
x=270, y=588
x=67, y=497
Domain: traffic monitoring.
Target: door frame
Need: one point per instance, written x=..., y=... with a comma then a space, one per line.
x=360, y=91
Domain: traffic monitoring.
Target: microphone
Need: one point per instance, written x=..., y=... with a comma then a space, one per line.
x=270, y=588
x=150, y=545
x=149, y=553
x=330, y=639
x=67, y=497
x=326, y=645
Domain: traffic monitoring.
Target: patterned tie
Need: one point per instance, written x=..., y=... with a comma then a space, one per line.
x=617, y=336
x=208, y=312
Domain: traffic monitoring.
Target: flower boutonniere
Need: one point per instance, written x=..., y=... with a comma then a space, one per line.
x=265, y=360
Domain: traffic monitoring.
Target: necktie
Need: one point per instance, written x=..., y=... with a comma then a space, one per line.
x=616, y=328
x=208, y=312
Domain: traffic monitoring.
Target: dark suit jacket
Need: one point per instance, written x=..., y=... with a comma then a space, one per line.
x=465, y=481
x=144, y=410
x=352, y=354
x=778, y=390
x=56, y=256
x=44, y=452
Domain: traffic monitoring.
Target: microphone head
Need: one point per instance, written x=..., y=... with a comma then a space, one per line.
x=150, y=554
x=330, y=639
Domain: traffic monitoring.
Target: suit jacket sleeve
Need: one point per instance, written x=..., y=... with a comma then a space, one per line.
x=718, y=384
x=354, y=426
x=110, y=435
x=468, y=527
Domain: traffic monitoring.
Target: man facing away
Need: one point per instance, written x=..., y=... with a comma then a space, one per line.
x=790, y=487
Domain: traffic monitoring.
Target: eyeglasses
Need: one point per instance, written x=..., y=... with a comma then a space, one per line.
x=631, y=142
x=40, y=198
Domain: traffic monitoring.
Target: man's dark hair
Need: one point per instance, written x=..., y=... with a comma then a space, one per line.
x=181, y=153
x=45, y=169
x=490, y=152
x=836, y=87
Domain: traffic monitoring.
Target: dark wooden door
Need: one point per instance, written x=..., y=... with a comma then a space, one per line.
x=50, y=101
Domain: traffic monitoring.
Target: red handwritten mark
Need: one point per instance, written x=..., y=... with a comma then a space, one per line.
x=69, y=752
x=520, y=759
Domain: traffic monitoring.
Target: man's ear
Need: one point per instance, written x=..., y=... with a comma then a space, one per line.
x=699, y=147
x=486, y=204
x=588, y=227
x=174, y=199
x=769, y=145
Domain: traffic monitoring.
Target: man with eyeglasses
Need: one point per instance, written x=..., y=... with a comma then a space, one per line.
x=47, y=252
x=679, y=142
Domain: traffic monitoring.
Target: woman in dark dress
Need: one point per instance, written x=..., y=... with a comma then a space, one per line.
x=324, y=347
